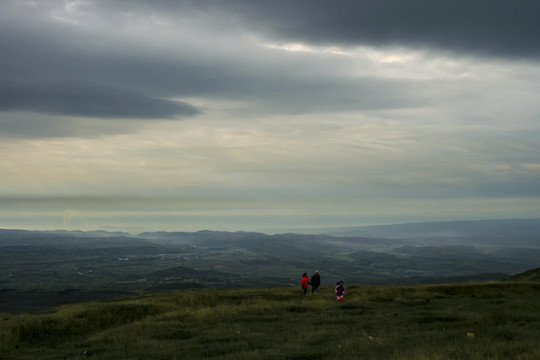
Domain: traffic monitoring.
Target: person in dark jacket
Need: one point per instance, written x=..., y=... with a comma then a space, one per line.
x=316, y=282
x=304, y=283
x=340, y=291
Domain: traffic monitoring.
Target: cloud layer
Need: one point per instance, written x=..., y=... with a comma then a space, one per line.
x=246, y=112
x=491, y=28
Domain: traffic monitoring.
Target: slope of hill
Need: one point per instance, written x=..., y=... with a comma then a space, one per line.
x=531, y=275
x=495, y=320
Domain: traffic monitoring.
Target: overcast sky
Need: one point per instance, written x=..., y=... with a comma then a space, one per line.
x=267, y=115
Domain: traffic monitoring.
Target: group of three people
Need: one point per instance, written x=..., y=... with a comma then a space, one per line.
x=316, y=282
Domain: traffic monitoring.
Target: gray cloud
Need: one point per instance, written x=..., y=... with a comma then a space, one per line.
x=57, y=69
x=482, y=27
x=44, y=72
x=54, y=68
x=87, y=100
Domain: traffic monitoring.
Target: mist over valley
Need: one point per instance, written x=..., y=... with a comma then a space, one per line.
x=70, y=266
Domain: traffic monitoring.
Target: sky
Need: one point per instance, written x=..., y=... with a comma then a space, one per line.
x=268, y=116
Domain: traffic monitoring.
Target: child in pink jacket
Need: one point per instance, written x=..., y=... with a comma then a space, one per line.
x=340, y=291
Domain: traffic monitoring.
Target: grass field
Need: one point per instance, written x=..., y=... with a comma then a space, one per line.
x=495, y=320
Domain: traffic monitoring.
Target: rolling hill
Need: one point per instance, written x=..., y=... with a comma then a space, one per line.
x=483, y=320
x=531, y=275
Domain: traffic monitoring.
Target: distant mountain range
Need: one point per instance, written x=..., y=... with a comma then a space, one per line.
x=432, y=252
x=516, y=232
x=528, y=230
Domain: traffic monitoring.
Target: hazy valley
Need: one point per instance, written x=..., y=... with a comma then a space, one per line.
x=62, y=266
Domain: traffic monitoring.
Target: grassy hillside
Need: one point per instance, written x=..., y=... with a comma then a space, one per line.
x=494, y=320
x=531, y=275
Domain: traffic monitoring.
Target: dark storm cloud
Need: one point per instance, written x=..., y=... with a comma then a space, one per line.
x=52, y=67
x=87, y=100
x=42, y=74
x=489, y=27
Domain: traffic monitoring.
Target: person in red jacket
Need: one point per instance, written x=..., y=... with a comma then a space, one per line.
x=304, y=283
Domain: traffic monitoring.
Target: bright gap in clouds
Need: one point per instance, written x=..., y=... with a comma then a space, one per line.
x=299, y=47
x=394, y=62
x=388, y=56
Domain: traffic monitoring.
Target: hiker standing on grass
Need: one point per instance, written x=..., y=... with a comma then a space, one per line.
x=340, y=291
x=304, y=283
x=316, y=282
